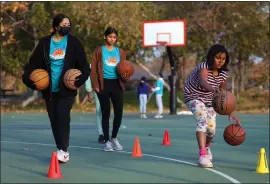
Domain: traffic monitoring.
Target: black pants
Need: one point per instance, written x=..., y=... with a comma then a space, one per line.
x=112, y=90
x=59, y=113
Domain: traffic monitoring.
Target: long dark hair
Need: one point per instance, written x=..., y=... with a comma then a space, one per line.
x=213, y=51
x=57, y=20
x=110, y=30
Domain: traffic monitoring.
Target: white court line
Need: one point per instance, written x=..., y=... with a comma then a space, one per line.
x=154, y=156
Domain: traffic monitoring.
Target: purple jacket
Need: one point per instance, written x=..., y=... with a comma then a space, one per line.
x=143, y=88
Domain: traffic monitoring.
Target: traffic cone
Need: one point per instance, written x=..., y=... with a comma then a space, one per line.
x=262, y=165
x=54, y=170
x=166, y=139
x=137, y=152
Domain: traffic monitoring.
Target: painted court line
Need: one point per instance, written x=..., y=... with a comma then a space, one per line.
x=154, y=156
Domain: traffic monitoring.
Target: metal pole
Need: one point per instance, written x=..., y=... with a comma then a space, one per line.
x=172, y=80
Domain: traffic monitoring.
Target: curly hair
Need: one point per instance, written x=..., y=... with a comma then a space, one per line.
x=213, y=51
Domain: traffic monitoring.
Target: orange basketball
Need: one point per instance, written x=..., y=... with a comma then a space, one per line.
x=125, y=69
x=70, y=76
x=41, y=78
x=234, y=134
x=224, y=102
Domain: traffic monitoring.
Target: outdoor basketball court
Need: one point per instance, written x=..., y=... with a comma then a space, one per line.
x=27, y=144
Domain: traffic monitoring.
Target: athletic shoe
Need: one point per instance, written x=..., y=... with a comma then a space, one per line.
x=116, y=145
x=101, y=139
x=209, y=154
x=62, y=156
x=108, y=146
x=158, y=116
x=204, y=162
x=144, y=116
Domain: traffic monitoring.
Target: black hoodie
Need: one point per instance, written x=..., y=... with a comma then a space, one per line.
x=75, y=58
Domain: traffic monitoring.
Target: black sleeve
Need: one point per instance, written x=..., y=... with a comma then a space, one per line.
x=81, y=61
x=33, y=64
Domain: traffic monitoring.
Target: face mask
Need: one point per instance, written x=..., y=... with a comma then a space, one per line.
x=64, y=30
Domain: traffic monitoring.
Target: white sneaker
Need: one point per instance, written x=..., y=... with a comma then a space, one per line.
x=158, y=116
x=108, y=146
x=204, y=162
x=209, y=154
x=62, y=156
x=116, y=145
x=144, y=116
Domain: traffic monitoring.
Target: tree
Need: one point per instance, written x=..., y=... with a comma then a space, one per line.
x=247, y=35
x=10, y=59
x=24, y=24
x=243, y=27
x=126, y=17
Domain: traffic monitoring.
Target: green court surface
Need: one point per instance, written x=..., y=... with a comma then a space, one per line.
x=27, y=144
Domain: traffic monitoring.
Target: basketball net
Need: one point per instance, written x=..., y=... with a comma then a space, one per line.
x=161, y=46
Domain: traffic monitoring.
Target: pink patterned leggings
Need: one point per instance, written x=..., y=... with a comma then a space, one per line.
x=205, y=116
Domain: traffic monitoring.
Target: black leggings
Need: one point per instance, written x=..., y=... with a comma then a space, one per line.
x=113, y=90
x=59, y=113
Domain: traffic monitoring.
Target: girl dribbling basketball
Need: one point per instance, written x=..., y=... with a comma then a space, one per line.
x=204, y=81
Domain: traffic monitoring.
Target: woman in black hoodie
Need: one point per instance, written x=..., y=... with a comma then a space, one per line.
x=56, y=54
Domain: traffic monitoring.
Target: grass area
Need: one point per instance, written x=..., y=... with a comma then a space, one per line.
x=251, y=101
x=131, y=99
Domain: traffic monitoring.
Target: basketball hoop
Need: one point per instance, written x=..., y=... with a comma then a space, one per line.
x=163, y=35
x=172, y=32
x=161, y=45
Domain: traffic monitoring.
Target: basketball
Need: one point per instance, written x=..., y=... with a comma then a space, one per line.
x=125, y=69
x=234, y=134
x=41, y=78
x=69, y=78
x=224, y=102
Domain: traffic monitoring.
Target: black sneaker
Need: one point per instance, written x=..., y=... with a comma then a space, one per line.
x=101, y=139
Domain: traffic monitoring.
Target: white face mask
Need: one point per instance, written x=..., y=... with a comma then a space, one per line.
x=142, y=81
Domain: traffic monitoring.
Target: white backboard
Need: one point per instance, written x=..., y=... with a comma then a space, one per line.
x=173, y=32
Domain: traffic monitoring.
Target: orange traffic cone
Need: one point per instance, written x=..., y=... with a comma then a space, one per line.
x=166, y=139
x=54, y=170
x=137, y=152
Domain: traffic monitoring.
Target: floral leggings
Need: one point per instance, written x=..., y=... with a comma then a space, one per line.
x=205, y=116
